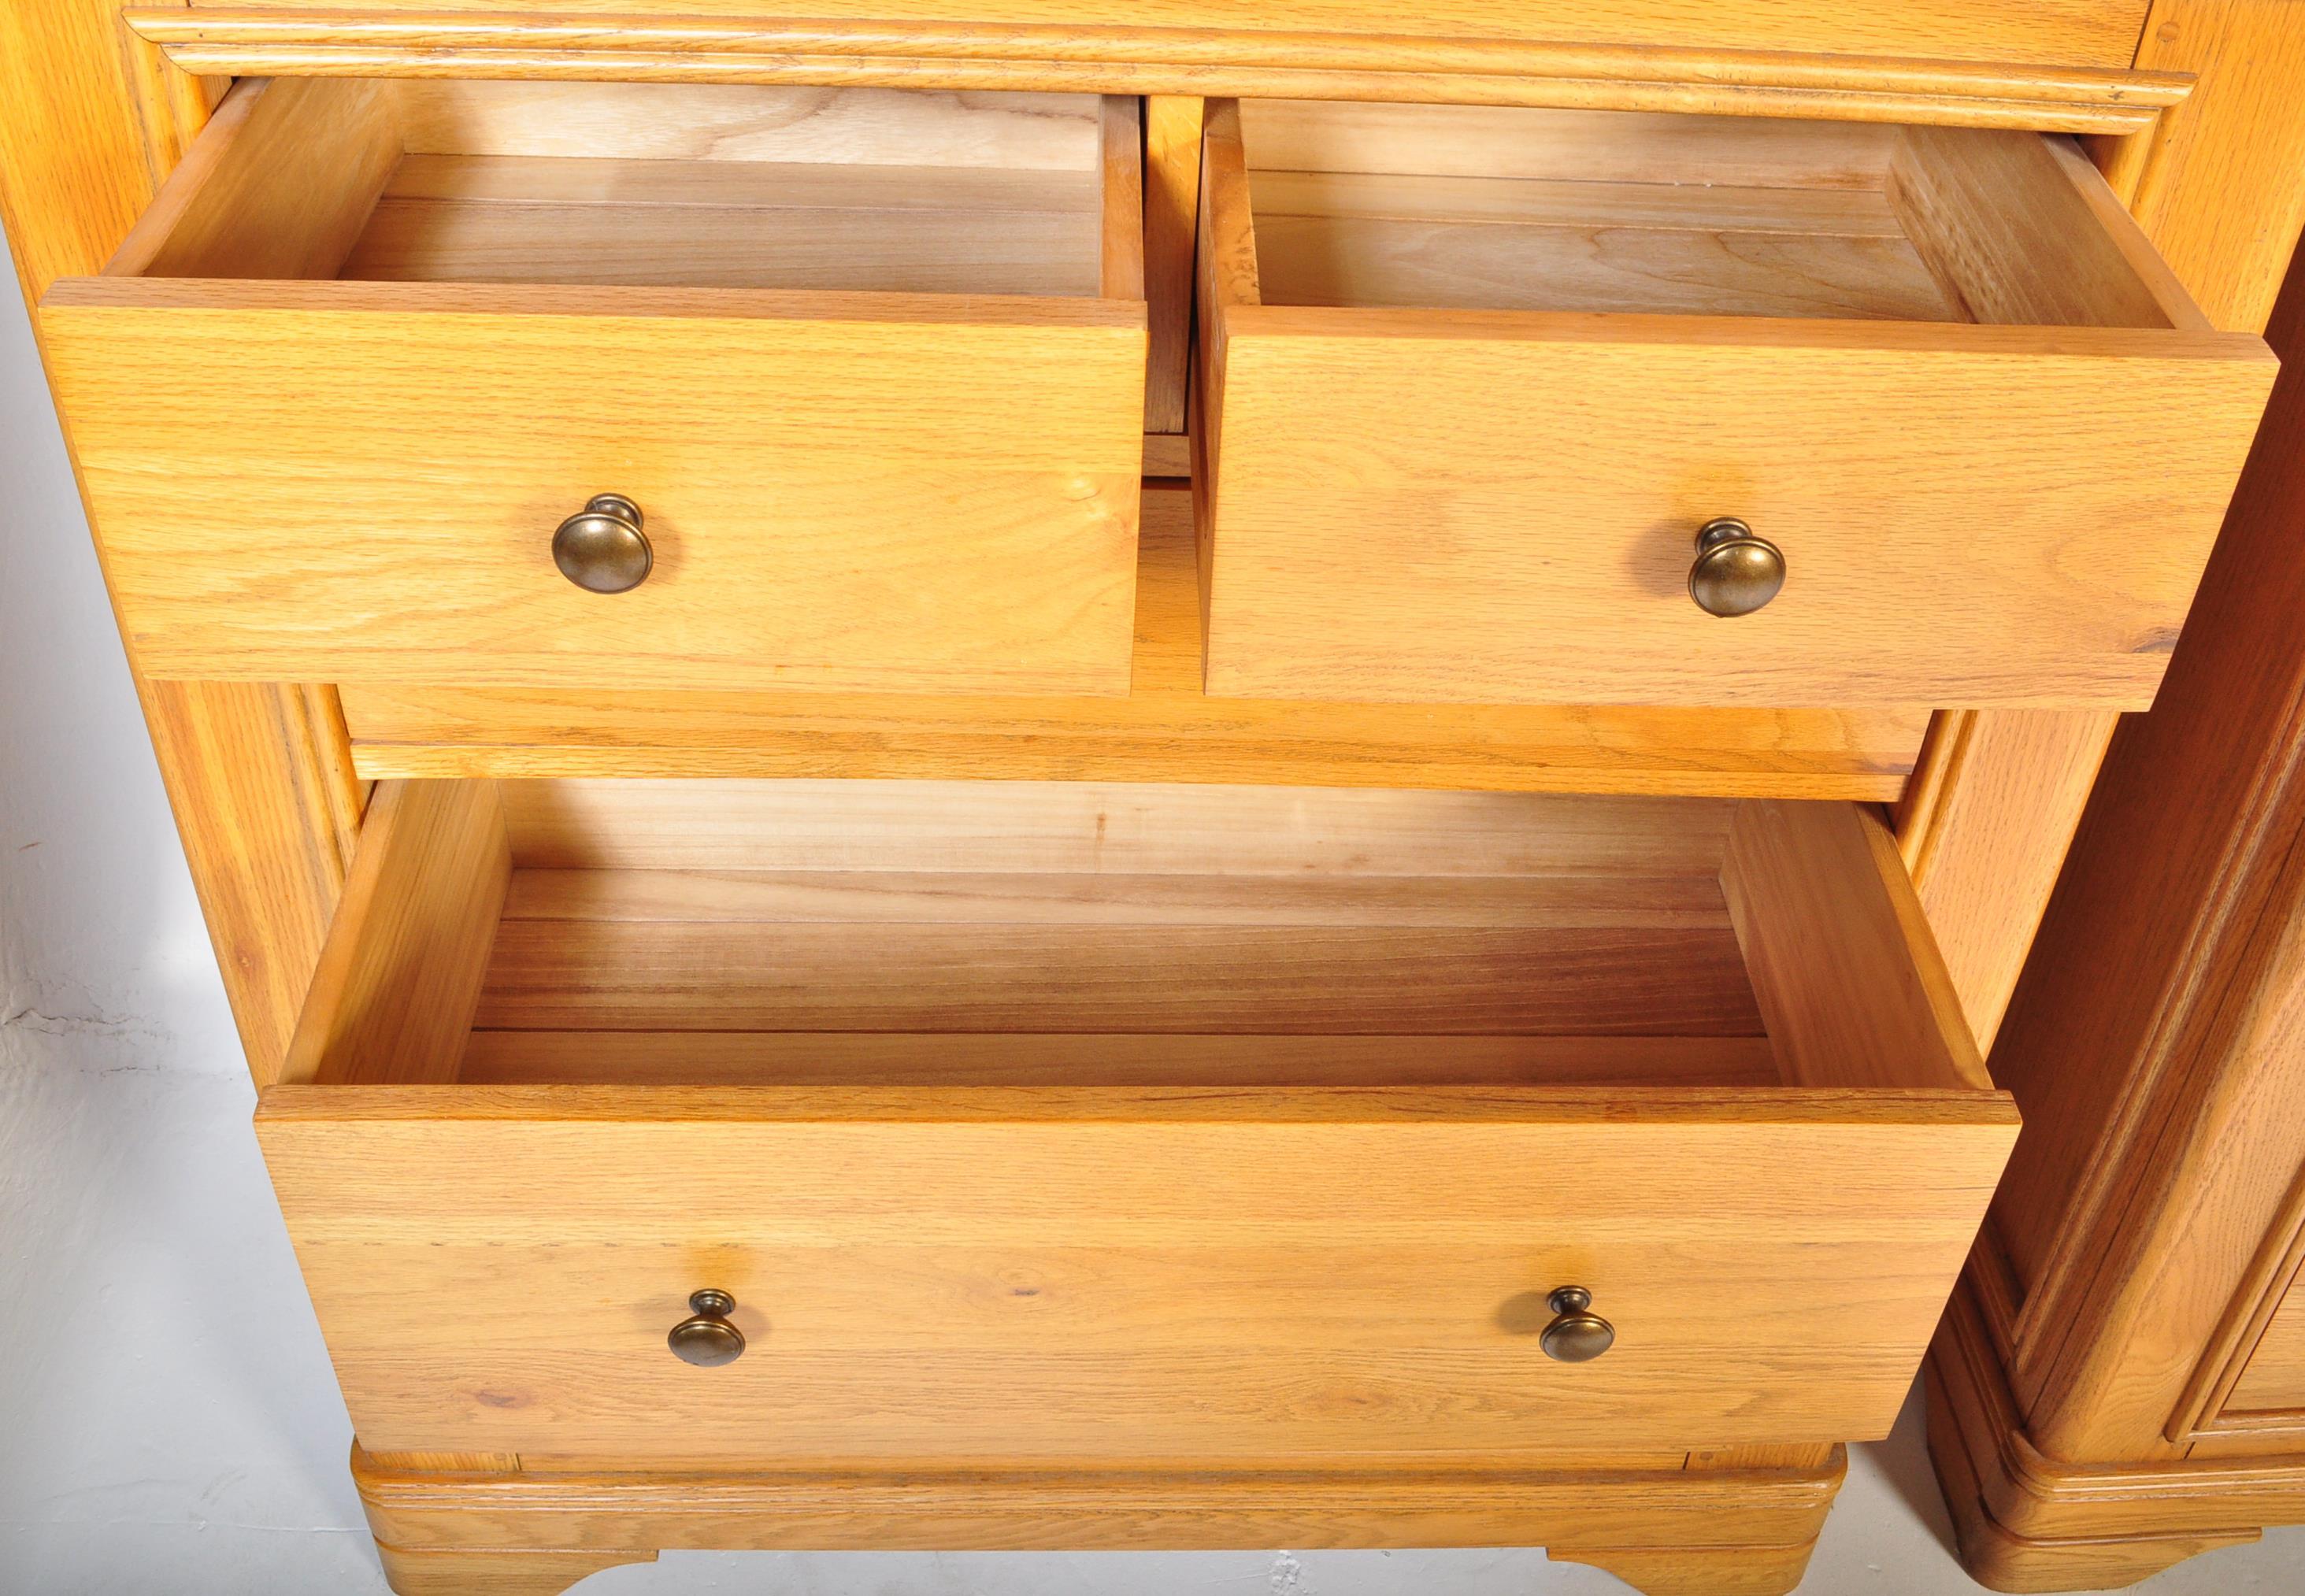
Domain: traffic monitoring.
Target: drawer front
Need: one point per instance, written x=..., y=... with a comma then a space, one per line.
x=1404, y=509
x=1062, y=1274
x=361, y=482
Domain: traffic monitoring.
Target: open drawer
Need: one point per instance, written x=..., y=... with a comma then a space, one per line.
x=1064, y=1121
x=864, y=368
x=1475, y=379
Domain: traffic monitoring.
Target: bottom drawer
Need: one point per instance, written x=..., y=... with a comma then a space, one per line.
x=1075, y=1122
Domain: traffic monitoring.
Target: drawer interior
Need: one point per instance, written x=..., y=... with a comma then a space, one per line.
x=657, y=184
x=1511, y=209
x=1242, y=1123
x=641, y=933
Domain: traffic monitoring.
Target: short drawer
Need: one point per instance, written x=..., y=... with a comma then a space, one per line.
x=869, y=365
x=1475, y=379
x=1085, y=1121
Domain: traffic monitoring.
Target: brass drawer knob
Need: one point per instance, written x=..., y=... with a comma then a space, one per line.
x=602, y=547
x=1736, y=573
x=706, y=1339
x=1577, y=1334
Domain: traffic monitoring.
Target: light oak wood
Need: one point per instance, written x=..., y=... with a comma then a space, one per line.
x=2243, y=133
x=256, y=774
x=453, y=1462
x=1002, y=558
x=1543, y=977
x=1586, y=203
x=1166, y=729
x=1983, y=828
x=265, y=816
x=869, y=1058
x=1484, y=207
x=1812, y=1456
x=1673, y=56
x=725, y=123
x=1606, y=147
x=1592, y=899
x=1698, y=1571
x=2152, y=1215
x=2029, y=1522
x=725, y=185
x=1121, y=190
x=835, y=1209
x=2049, y=32
x=1172, y=205
x=2170, y=947
x=1070, y=828
x=2274, y=1375
x=999, y=558
x=71, y=35
x=1632, y=1497
x=279, y=184
x=1595, y=266
x=1229, y=1287
x=672, y=182
x=77, y=174
x=937, y=908
x=763, y=231
x=1395, y=505
x=171, y=105
x=399, y=979
x=2223, y=210
x=1823, y=908
x=441, y=1572
x=2023, y=231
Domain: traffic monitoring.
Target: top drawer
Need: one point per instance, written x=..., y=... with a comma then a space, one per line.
x=868, y=364
x=1473, y=379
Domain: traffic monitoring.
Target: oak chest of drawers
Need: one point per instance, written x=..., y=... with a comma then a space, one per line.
x=1077, y=777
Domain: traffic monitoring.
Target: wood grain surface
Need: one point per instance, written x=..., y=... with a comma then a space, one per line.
x=940, y=1274
x=1398, y=505
x=1172, y=206
x=2155, y=1206
x=1166, y=729
x=1039, y=1059
x=2025, y=68
x=393, y=994
x=927, y=1249
x=783, y=435
x=2045, y=31
x=1377, y=469
x=828, y=505
x=2215, y=178
x=2223, y=208
x=257, y=774
x=1983, y=826
x=1823, y=908
x=2274, y=1375
x=1623, y=1495
x=1544, y=975
x=1096, y=828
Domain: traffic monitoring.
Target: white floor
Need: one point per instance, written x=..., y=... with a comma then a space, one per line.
x=168, y=1424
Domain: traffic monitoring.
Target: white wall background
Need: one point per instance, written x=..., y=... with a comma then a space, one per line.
x=168, y=1423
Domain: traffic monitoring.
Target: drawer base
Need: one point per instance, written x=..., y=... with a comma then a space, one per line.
x=1667, y=1532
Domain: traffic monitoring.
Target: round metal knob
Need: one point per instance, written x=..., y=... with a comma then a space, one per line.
x=706, y=1339
x=602, y=547
x=1577, y=1334
x=1736, y=573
